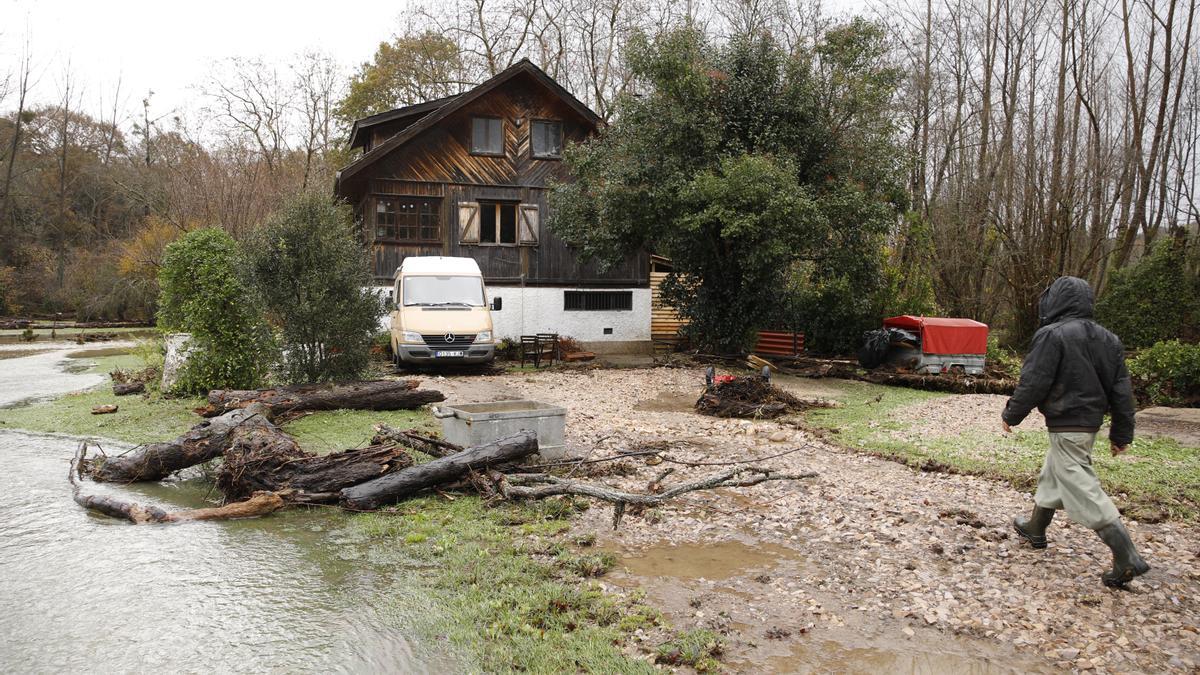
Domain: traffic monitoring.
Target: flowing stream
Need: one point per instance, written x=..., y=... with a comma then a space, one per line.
x=83, y=593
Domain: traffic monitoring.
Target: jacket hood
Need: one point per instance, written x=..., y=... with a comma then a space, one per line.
x=1066, y=298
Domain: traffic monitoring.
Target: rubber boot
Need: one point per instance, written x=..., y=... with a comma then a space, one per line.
x=1034, y=529
x=1127, y=564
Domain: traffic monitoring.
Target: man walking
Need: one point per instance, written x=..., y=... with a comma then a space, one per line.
x=1074, y=374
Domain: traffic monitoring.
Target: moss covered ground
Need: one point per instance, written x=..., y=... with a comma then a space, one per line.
x=1156, y=479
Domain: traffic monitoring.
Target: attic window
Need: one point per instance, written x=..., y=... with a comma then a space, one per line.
x=547, y=139
x=487, y=136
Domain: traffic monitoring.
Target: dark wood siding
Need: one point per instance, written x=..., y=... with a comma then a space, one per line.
x=438, y=163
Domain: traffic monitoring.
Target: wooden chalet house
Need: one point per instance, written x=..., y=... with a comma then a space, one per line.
x=467, y=176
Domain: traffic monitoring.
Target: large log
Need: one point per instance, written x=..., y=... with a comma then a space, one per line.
x=259, y=504
x=369, y=395
x=205, y=441
x=397, y=486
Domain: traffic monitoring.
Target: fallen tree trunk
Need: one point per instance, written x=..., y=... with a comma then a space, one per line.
x=396, y=486
x=205, y=441
x=956, y=384
x=370, y=395
x=259, y=504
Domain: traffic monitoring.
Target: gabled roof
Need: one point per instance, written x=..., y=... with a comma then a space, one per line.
x=393, y=115
x=449, y=106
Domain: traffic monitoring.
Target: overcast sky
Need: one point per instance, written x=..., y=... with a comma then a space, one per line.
x=169, y=46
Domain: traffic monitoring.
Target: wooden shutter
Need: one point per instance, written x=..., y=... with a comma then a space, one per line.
x=527, y=225
x=468, y=223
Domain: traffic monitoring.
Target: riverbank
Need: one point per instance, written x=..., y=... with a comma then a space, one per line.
x=504, y=586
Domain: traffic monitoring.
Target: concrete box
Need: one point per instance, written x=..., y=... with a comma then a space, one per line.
x=470, y=424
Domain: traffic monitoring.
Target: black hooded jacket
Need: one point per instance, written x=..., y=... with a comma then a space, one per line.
x=1075, y=370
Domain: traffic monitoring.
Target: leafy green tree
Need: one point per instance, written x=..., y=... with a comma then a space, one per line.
x=1155, y=299
x=314, y=278
x=769, y=178
x=202, y=293
x=409, y=69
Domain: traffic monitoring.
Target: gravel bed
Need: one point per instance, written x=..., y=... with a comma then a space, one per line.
x=898, y=548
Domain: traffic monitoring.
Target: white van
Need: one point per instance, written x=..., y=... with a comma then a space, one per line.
x=441, y=313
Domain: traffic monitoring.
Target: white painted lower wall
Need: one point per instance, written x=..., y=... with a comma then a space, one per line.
x=539, y=309
x=527, y=310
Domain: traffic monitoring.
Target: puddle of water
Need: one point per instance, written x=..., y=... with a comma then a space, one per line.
x=829, y=656
x=669, y=401
x=715, y=561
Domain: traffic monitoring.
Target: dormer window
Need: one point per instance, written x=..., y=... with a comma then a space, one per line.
x=487, y=136
x=546, y=142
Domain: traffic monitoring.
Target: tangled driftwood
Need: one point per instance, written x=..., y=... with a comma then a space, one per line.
x=263, y=469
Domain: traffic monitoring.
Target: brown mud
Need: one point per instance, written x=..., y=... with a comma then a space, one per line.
x=725, y=586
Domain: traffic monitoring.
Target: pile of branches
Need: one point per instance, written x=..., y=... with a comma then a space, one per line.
x=751, y=397
x=263, y=469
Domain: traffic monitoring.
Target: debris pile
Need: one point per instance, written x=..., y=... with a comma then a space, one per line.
x=751, y=397
x=264, y=469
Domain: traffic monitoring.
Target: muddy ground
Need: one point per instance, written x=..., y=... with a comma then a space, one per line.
x=870, y=567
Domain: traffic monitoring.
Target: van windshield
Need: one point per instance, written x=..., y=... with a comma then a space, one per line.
x=438, y=291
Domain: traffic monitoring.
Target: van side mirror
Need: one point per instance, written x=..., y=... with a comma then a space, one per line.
x=497, y=304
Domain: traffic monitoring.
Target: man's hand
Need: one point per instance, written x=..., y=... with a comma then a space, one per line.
x=1007, y=429
x=1118, y=449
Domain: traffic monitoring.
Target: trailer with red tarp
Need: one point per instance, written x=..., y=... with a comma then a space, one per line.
x=928, y=344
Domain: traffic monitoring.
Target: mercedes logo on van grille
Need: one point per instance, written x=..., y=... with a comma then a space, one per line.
x=449, y=338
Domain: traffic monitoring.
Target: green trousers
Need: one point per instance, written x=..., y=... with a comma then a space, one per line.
x=1069, y=483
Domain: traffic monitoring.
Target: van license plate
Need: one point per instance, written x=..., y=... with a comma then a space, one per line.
x=448, y=354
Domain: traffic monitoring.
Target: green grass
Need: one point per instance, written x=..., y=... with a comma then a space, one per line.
x=509, y=591
x=698, y=648
x=334, y=430
x=138, y=420
x=153, y=417
x=1156, y=479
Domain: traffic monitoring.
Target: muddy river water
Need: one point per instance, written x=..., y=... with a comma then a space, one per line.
x=81, y=593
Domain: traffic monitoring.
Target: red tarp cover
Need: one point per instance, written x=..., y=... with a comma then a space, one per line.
x=944, y=336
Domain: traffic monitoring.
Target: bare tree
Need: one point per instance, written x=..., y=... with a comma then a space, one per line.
x=318, y=80
x=249, y=98
x=24, y=72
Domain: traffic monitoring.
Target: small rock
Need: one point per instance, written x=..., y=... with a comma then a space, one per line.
x=778, y=437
